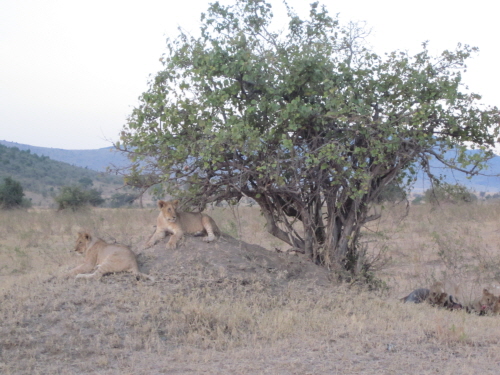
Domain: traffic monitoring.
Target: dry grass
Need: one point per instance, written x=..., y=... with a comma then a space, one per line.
x=457, y=244
x=211, y=313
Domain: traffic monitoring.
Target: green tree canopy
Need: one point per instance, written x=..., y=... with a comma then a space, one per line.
x=449, y=193
x=11, y=193
x=86, y=182
x=122, y=199
x=74, y=197
x=306, y=121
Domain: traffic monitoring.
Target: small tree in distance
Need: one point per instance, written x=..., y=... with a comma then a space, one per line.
x=449, y=193
x=75, y=198
x=11, y=194
x=122, y=199
x=307, y=122
x=86, y=182
x=392, y=193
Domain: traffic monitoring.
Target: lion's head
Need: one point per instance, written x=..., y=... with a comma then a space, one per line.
x=487, y=300
x=82, y=242
x=168, y=210
x=437, y=298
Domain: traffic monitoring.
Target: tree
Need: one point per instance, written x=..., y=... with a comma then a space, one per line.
x=122, y=199
x=86, y=182
x=449, y=193
x=94, y=197
x=11, y=194
x=142, y=182
x=74, y=197
x=392, y=192
x=307, y=122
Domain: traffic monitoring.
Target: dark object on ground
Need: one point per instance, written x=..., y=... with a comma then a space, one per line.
x=417, y=296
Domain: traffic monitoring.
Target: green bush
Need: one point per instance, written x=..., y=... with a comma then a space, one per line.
x=75, y=197
x=86, y=182
x=494, y=196
x=449, y=193
x=392, y=193
x=94, y=197
x=418, y=199
x=11, y=194
x=122, y=199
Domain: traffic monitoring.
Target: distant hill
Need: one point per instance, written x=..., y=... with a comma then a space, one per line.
x=97, y=159
x=41, y=177
x=487, y=184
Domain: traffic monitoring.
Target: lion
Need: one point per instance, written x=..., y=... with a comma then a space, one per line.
x=177, y=223
x=435, y=296
x=103, y=258
x=496, y=306
x=487, y=302
x=485, y=305
x=438, y=297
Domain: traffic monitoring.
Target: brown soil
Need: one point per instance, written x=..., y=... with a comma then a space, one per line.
x=230, y=259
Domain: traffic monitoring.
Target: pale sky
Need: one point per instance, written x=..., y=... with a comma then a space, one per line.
x=71, y=71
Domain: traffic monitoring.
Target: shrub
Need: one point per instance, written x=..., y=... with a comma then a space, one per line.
x=75, y=197
x=449, y=193
x=11, y=194
x=94, y=197
x=86, y=182
x=392, y=193
x=122, y=199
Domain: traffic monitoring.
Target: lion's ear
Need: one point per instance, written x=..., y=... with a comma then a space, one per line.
x=87, y=236
x=161, y=203
x=175, y=203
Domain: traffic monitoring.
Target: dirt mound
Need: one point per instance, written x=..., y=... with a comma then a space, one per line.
x=231, y=259
x=197, y=300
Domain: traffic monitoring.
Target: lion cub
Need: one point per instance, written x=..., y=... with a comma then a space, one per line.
x=435, y=296
x=486, y=305
x=103, y=258
x=177, y=223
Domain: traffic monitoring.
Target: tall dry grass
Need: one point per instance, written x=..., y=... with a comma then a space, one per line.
x=458, y=244
x=190, y=324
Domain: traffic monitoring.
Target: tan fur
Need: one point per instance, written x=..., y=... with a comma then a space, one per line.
x=439, y=298
x=103, y=258
x=437, y=295
x=177, y=223
x=496, y=306
x=485, y=305
x=487, y=301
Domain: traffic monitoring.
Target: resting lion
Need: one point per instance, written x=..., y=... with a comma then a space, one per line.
x=435, y=295
x=103, y=258
x=486, y=305
x=177, y=223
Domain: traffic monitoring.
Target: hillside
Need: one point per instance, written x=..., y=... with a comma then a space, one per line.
x=97, y=160
x=489, y=182
x=41, y=176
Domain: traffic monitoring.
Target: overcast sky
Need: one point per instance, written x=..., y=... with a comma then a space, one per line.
x=71, y=71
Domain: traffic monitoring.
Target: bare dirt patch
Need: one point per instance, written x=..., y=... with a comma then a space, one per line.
x=230, y=259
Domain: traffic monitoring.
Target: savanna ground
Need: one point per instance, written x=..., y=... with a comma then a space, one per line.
x=234, y=307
